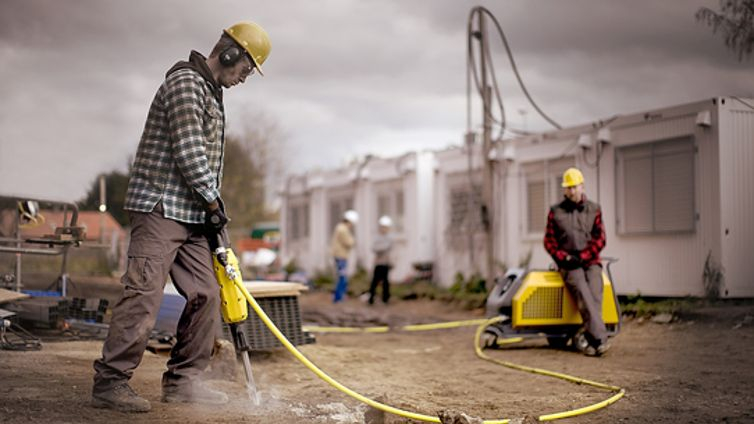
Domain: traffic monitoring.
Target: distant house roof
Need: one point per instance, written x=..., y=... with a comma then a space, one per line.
x=250, y=244
x=93, y=221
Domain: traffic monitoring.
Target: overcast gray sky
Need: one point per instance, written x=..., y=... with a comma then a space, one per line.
x=345, y=77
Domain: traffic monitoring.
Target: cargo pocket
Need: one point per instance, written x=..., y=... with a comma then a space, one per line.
x=144, y=271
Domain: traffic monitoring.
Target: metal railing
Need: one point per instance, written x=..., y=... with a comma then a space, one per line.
x=65, y=236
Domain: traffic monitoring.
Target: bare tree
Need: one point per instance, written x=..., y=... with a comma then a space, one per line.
x=253, y=168
x=116, y=183
x=269, y=141
x=735, y=21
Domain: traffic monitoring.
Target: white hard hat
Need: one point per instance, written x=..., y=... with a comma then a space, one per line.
x=385, y=221
x=351, y=216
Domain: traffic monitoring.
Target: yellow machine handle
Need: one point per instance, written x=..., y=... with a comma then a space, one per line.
x=233, y=302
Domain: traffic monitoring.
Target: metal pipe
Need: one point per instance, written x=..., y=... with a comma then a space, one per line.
x=64, y=271
x=18, y=242
x=30, y=251
x=9, y=240
x=18, y=246
x=102, y=209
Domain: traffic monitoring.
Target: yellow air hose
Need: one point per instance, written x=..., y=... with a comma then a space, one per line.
x=321, y=374
x=422, y=417
x=559, y=415
x=318, y=329
x=385, y=329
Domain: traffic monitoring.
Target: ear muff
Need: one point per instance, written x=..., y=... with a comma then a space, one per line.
x=230, y=56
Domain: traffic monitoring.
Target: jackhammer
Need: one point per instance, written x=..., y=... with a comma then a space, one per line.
x=233, y=303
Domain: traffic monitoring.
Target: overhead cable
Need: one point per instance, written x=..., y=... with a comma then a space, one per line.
x=472, y=69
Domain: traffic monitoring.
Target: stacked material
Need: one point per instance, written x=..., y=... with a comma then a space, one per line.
x=40, y=312
x=88, y=310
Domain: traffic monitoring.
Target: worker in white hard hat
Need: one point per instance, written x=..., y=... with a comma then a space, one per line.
x=381, y=246
x=574, y=238
x=340, y=247
x=174, y=206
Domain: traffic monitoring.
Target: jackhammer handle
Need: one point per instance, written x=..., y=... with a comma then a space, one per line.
x=218, y=239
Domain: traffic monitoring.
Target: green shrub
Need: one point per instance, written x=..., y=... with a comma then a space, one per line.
x=713, y=277
x=468, y=294
x=291, y=267
x=324, y=279
x=359, y=281
x=638, y=306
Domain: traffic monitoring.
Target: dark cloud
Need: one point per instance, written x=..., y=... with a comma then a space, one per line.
x=344, y=77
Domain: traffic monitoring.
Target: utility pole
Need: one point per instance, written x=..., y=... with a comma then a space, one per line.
x=102, y=208
x=487, y=209
x=470, y=198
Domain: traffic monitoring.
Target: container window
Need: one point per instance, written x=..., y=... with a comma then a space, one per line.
x=298, y=221
x=655, y=186
x=542, y=189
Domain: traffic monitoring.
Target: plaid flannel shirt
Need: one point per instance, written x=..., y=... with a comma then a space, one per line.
x=179, y=160
x=557, y=236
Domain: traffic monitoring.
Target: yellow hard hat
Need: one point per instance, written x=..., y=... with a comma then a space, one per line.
x=572, y=177
x=254, y=39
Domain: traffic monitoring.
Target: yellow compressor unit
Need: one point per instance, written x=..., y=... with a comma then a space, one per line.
x=538, y=304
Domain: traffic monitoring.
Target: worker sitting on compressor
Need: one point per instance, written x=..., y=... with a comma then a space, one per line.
x=574, y=238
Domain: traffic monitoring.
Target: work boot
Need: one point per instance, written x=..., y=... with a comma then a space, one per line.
x=121, y=398
x=194, y=392
x=580, y=343
x=601, y=349
x=596, y=349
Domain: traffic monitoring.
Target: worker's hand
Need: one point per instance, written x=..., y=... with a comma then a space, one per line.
x=215, y=218
x=585, y=256
x=571, y=262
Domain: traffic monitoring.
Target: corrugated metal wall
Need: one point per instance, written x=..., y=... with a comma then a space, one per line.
x=663, y=264
x=737, y=195
x=655, y=264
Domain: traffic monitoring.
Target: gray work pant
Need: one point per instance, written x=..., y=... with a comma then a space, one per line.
x=585, y=285
x=158, y=247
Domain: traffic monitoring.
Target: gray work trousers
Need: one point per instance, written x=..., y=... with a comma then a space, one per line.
x=158, y=247
x=585, y=285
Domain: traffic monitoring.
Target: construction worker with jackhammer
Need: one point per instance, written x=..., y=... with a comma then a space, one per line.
x=174, y=205
x=574, y=238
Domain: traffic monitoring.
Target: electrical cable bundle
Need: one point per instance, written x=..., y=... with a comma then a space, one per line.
x=472, y=70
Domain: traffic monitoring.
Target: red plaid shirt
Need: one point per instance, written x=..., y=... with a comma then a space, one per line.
x=590, y=255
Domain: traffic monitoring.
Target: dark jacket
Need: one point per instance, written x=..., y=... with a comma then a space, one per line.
x=575, y=229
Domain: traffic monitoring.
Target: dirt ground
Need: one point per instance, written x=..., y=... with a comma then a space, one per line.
x=699, y=368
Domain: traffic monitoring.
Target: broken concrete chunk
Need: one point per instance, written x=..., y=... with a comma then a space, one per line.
x=664, y=318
